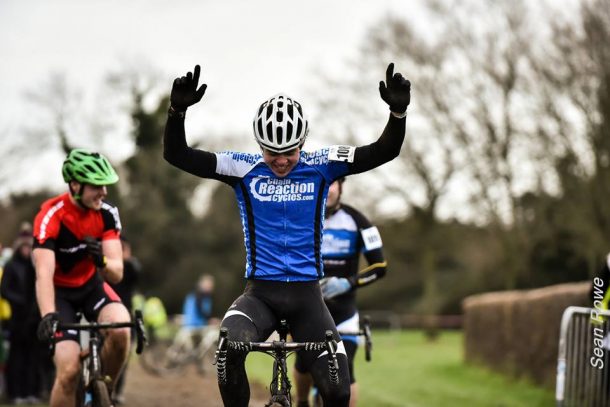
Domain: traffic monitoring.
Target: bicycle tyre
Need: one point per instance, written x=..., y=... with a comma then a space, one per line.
x=155, y=359
x=278, y=401
x=205, y=365
x=100, y=395
x=317, y=400
x=176, y=358
x=80, y=392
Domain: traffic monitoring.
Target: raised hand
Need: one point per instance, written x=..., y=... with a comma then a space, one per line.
x=396, y=91
x=185, y=92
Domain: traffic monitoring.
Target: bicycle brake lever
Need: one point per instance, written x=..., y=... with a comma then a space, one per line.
x=52, y=339
x=222, y=343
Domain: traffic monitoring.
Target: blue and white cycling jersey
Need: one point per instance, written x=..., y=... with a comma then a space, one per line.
x=282, y=218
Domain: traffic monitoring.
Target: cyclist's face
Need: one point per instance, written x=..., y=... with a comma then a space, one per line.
x=281, y=163
x=334, y=195
x=93, y=195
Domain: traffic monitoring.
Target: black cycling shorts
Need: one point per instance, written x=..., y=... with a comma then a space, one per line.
x=89, y=299
x=257, y=313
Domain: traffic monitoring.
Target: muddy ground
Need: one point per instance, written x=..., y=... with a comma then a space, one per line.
x=186, y=390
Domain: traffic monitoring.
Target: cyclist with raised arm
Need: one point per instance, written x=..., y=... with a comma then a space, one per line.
x=281, y=194
x=76, y=250
x=347, y=234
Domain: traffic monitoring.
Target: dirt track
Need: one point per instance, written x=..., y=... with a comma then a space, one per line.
x=187, y=390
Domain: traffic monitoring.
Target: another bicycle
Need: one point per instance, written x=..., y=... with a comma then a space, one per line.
x=280, y=383
x=91, y=379
x=189, y=346
x=365, y=333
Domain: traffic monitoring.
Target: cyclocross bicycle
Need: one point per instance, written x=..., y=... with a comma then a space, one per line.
x=280, y=383
x=365, y=333
x=189, y=346
x=91, y=379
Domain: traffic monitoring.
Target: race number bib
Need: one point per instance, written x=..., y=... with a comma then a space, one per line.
x=371, y=238
x=341, y=153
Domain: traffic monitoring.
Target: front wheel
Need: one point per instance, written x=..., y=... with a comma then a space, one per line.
x=80, y=392
x=101, y=398
x=279, y=401
x=207, y=353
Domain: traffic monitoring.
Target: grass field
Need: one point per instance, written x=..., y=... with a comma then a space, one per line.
x=408, y=371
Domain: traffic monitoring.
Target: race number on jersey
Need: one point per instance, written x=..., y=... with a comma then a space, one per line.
x=371, y=238
x=341, y=153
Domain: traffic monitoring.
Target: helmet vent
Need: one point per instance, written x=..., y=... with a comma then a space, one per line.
x=290, y=111
x=270, y=131
x=288, y=132
x=259, y=123
x=279, y=135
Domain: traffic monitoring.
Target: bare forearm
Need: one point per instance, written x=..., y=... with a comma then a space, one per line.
x=45, y=293
x=44, y=262
x=113, y=272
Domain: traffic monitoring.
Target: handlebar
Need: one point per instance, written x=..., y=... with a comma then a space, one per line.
x=137, y=323
x=329, y=344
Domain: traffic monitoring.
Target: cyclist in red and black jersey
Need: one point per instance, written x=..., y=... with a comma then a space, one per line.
x=76, y=250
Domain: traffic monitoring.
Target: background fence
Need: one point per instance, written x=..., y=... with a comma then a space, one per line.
x=583, y=379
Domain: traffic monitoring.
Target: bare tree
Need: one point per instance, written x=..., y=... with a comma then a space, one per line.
x=476, y=80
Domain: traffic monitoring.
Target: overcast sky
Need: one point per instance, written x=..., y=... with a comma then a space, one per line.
x=249, y=50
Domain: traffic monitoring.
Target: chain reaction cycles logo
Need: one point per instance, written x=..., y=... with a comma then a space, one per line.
x=267, y=189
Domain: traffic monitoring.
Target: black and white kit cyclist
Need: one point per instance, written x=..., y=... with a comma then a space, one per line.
x=347, y=235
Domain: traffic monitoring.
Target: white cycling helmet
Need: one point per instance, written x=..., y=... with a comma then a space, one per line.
x=279, y=124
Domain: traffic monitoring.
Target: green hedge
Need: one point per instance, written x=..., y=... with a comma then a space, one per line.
x=517, y=332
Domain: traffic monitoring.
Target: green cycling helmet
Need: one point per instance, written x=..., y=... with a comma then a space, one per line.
x=88, y=168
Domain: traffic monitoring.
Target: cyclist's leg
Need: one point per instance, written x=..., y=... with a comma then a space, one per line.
x=350, y=348
x=248, y=319
x=303, y=382
x=116, y=341
x=66, y=358
x=309, y=322
x=67, y=365
x=351, y=324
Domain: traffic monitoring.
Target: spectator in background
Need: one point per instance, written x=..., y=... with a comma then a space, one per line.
x=131, y=270
x=18, y=282
x=5, y=315
x=126, y=289
x=197, y=308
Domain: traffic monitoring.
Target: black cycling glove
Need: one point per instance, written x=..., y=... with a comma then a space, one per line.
x=46, y=326
x=396, y=92
x=185, y=92
x=94, y=248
